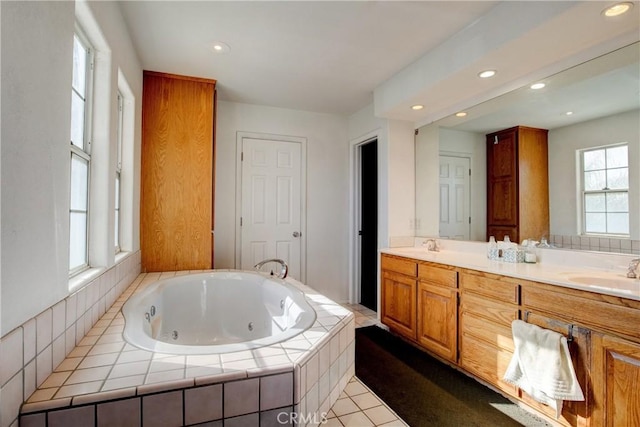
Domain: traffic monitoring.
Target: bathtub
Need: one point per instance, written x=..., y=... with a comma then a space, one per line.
x=215, y=312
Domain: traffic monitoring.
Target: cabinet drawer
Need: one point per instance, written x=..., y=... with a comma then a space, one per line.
x=496, y=287
x=399, y=265
x=436, y=275
x=486, y=362
x=493, y=311
x=493, y=333
x=587, y=311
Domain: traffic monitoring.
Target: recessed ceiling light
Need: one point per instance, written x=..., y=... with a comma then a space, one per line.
x=461, y=114
x=486, y=74
x=568, y=113
x=417, y=107
x=617, y=9
x=219, y=47
x=536, y=86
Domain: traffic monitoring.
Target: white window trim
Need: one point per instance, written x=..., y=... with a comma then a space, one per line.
x=583, y=192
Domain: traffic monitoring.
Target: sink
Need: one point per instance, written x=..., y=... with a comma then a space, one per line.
x=613, y=281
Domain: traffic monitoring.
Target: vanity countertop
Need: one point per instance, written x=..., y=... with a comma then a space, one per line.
x=612, y=282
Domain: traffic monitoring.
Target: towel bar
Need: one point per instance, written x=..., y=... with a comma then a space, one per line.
x=570, y=327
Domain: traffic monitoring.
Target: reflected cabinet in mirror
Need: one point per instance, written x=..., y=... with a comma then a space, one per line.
x=591, y=194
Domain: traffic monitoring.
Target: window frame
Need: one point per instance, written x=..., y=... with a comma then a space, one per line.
x=118, y=175
x=583, y=192
x=84, y=152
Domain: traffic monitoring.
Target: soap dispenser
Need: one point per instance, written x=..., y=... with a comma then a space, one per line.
x=530, y=255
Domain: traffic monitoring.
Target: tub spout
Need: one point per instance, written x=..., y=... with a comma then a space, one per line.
x=284, y=270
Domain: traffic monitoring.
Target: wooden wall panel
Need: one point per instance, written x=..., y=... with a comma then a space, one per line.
x=177, y=173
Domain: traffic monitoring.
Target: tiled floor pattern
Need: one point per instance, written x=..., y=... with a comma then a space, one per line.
x=358, y=406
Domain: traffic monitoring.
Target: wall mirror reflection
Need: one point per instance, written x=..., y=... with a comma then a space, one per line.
x=592, y=114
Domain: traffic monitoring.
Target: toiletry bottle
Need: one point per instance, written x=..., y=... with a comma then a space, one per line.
x=530, y=252
x=492, y=248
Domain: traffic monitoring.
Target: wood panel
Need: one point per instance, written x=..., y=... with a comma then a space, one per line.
x=399, y=303
x=177, y=172
x=438, y=319
x=498, y=287
x=616, y=375
x=399, y=265
x=438, y=274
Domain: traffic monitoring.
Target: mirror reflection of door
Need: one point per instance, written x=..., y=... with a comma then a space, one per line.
x=455, y=183
x=271, y=203
x=369, y=225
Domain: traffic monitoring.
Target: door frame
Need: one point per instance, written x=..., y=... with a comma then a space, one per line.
x=354, y=215
x=240, y=136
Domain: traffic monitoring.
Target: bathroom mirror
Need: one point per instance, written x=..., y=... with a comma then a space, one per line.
x=594, y=104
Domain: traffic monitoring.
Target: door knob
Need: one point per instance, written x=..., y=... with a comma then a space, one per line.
x=297, y=234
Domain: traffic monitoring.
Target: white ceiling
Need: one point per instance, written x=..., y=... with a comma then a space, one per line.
x=330, y=57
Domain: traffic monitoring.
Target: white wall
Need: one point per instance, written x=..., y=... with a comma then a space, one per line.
x=327, y=191
x=564, y=142
x=37, y=40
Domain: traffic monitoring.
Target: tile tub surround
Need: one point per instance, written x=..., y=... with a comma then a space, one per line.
x=30, y=352
x=105, y=377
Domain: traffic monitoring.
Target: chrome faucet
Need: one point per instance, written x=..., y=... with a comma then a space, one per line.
x=432, y=245
x=284, y=270
x=634, y=269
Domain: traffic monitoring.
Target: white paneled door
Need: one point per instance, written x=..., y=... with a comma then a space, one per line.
x=271, y=203
x=455, y=181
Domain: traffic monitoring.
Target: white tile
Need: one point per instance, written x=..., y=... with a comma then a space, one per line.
x=59, y=350
x=344, y=406
x=98, y=360
x=29, y=379
x=12, y=394
x=202, y=404
x=59, y=318
x=56, y=379
x=167, y=364
x=29, y=337
x=357, y=419
x=71, y=310
x=88, y=375
x=44, y=365
x=366, y=400
x=124, y=382
x=76, y=389
x=114, y=347
x=241, y=397
x=68, y=364
x=134, y=356
x=164, y=376
x=129, y=369
x=43, y=330
x=70, y=338
x=354, y=388
x=325, y=359
x=312, y=371
x=276, y=391
x=380, y=415
x=11, y=355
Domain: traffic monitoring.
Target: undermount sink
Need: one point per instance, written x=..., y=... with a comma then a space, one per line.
x=615, y=281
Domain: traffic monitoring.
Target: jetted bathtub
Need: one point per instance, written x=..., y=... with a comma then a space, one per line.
x=215, y=312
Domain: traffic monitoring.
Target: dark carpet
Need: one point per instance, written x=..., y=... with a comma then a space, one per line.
x=426, y=392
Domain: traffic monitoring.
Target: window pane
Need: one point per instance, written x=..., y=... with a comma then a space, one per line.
x=594, y=160
x=595, y=180
x=79, y=66
x=618, y=202
x=617, y=157
x=595, y=202
x=78, y=240
x=595, y=223
x=117, y=191
x=77, y=120
x=618, y=223
x=79, y=183
x=618, y=178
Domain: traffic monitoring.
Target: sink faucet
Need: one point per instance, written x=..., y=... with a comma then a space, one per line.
x=432, y=245
x=284, y=270
x=634, y=269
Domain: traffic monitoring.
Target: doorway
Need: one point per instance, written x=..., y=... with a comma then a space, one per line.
x=368, y=224
x=455, y=184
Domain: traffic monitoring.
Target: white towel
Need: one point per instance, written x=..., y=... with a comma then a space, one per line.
x=541, y=366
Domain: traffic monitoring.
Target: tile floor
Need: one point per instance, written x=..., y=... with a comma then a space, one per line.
x=358, y=406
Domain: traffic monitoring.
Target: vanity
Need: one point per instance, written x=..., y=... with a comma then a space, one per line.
x=458, y=306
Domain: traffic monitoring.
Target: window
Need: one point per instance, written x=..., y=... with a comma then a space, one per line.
x=80, y=155
x=118, y=170
x=605, y=190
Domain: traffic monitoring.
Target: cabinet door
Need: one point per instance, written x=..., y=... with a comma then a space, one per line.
x=616, y=375
x=502, y=191
x=437, y=320
x=399, y=303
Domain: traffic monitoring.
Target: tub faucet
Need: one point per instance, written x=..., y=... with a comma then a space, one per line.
x=284, y=270
x=432, y=245
x=634, y=269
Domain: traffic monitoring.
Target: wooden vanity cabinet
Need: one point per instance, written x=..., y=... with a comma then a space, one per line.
x=616, y=381
x=488, y=305
x=399, y=303
x=517, y=184
x=438, y=309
